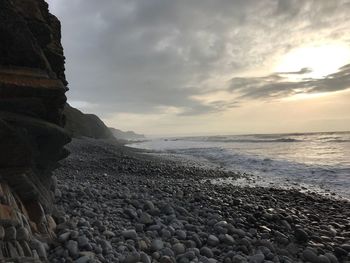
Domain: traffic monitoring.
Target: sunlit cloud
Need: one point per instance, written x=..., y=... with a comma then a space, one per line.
x=276, y=86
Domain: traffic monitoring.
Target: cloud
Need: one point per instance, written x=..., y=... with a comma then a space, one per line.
x=140, y=57
x=205, y=108
x=300, y=72
x=278, y=86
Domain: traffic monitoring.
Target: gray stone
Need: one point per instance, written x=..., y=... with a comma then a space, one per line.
x=166, y=259
x=181, y=234
x=106, y=247
x=257, y=258
x=23, y=234
x=156, y=255
x=143, y=245
x=129, y=234
x=238, y=231
x=64, y=237
x=12, y=250
x=301, y=235
x=168, y=252
x=323, y=259
x=229, y=239
x=239, y=259
x=2, y=232
x=132, y=258
x=139, y=227
x=282, y=240
x=74, y=234
x=83, y=259
x=145, y=258
x=19, y=249
x=179, y=248
x=98, y=249
x=149, y=205
x=39, y=247
x=165, y=234
x=310, y=255
x=26, y=249
x=82, y=241
x=146, y=218
x=331, y=257
x=72, y=247
x=190, y=255
x=108, y=234
x=207, y=252
x=10, y=233
x=157, y=244
x=346, y=247
x=340, y=252
x=131, y=213
x=213, y=240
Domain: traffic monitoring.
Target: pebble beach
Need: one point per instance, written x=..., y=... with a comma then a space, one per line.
x=117, y=204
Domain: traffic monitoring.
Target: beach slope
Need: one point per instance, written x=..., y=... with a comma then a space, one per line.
x=116, y=204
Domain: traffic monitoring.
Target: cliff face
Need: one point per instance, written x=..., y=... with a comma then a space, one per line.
x=79, y=124
x=32, y=97
x=126, y=135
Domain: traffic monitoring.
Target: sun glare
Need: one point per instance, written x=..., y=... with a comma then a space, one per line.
x=322, y=60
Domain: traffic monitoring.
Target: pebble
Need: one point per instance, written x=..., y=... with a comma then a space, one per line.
x=22, y=234
x=157, y=244
x=106, y=246
x=213, y=241
x=83, y=259
x=166, y=259
x=72, y=247
x=301, y=235
x=10, y=233
x=108, y=234
x=331, y=258
x=64, y=237
x=209, y=223
x=146, y=218
x=132, y=258
x=323, y=259
x=82, y=241
x=40, y=248
x=179, y=248
x=149, y=205
x=229, y=239
x=2, y=232
x=129, y=234
x=145, y=258
x=207, y=252
x=181, y=234
x=310, y=255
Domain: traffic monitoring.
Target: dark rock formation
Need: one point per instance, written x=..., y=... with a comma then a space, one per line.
x=32, y=97
x=126, y=136
x=79, y=124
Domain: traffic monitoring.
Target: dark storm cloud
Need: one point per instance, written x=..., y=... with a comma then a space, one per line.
x=141, y=56
x=278, y=86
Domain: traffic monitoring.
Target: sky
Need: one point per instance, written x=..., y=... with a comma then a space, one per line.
x=187, y=67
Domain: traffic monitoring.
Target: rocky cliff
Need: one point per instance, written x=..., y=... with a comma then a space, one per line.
x=79, y=124
x=32, y=97
x=126, y=135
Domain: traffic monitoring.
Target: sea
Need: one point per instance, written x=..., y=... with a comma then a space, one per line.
x=309, y=162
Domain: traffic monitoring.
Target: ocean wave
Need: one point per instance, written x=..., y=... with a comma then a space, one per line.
x=338, y=140
x=228, y=140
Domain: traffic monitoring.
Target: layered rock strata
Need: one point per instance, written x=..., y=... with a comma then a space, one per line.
x=32, y=97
